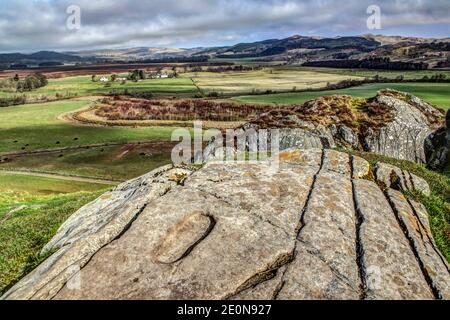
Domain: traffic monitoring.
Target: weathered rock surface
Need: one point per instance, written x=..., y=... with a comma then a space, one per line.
x=302, y=225
x=437, y=146
x=430, y=260
x=393, y=177
x=402, y=138
x=398, y=127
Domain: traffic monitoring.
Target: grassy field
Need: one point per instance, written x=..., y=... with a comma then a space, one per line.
x=102, y=162
x=36, y=126
x=435, y=93
x=391, y=74
x=83, y=85
x=27, y=223
x=26, y=184
x=262, y=80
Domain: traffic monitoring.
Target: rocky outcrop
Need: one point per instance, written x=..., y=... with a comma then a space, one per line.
x=301, y=225
x=404, y=137
x=393, y=124
x=437, y=147
x=393, y=177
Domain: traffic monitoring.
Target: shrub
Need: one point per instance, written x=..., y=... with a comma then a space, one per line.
x=121, y=108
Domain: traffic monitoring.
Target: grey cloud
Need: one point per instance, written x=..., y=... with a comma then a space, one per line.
x=40, y=24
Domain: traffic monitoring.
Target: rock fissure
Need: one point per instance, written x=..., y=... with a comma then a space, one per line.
x=301, y=223
x=339, y=276
x=236, y=205
x=280, y=285
x=359, y=220
x=266, y=274
x=414, y=250
x=430, y=240
x=188, y=250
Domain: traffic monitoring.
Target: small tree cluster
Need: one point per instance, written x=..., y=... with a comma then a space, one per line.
x=137, y=75
x=32, y=82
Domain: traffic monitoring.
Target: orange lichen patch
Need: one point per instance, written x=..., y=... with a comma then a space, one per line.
x=178, y=177
x=289, y=156
x=105, y=196
x=413, y=221
x=249, y=174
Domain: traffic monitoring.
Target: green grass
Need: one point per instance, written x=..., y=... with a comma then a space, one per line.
x=104, y=162
x=36, y=126
x=83, y=85
x=391, y=74
x=24, y=233
x=262, y=80
x=437, y=204
x=435, y=93
x=22, y=183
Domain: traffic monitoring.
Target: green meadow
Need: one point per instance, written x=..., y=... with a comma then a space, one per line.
x=390, y=74
x=41, y=186
x=36, y=126
x=112, y=163
x=84, y=86
x=27, y=223
x=435, y=93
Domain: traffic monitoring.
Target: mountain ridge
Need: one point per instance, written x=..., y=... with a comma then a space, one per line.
x=293, y=49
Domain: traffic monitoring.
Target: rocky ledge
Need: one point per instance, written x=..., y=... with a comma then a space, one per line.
x=393, y=123
x=312, y=224
x=437, y=147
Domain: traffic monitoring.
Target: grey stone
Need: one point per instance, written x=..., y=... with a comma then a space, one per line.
x=402, y=138
x=432, y=264
x=393, y=177
x=361, y=168
x=91, y=228
x=284, y=228
x=408, y=136
x=391, y=270
x=437, y=147
x=348, y=136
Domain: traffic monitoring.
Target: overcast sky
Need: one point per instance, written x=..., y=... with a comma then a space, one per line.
x=32, y=25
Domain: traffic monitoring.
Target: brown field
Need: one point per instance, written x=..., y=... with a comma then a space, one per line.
x=125, y=111
x=70, y=71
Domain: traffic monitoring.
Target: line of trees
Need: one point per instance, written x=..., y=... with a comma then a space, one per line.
x=371, y=63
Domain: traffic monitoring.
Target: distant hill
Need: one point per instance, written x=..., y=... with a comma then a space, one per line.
x=140, y=53
x=296, y=49
x=277, y=47
x=38, y=57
